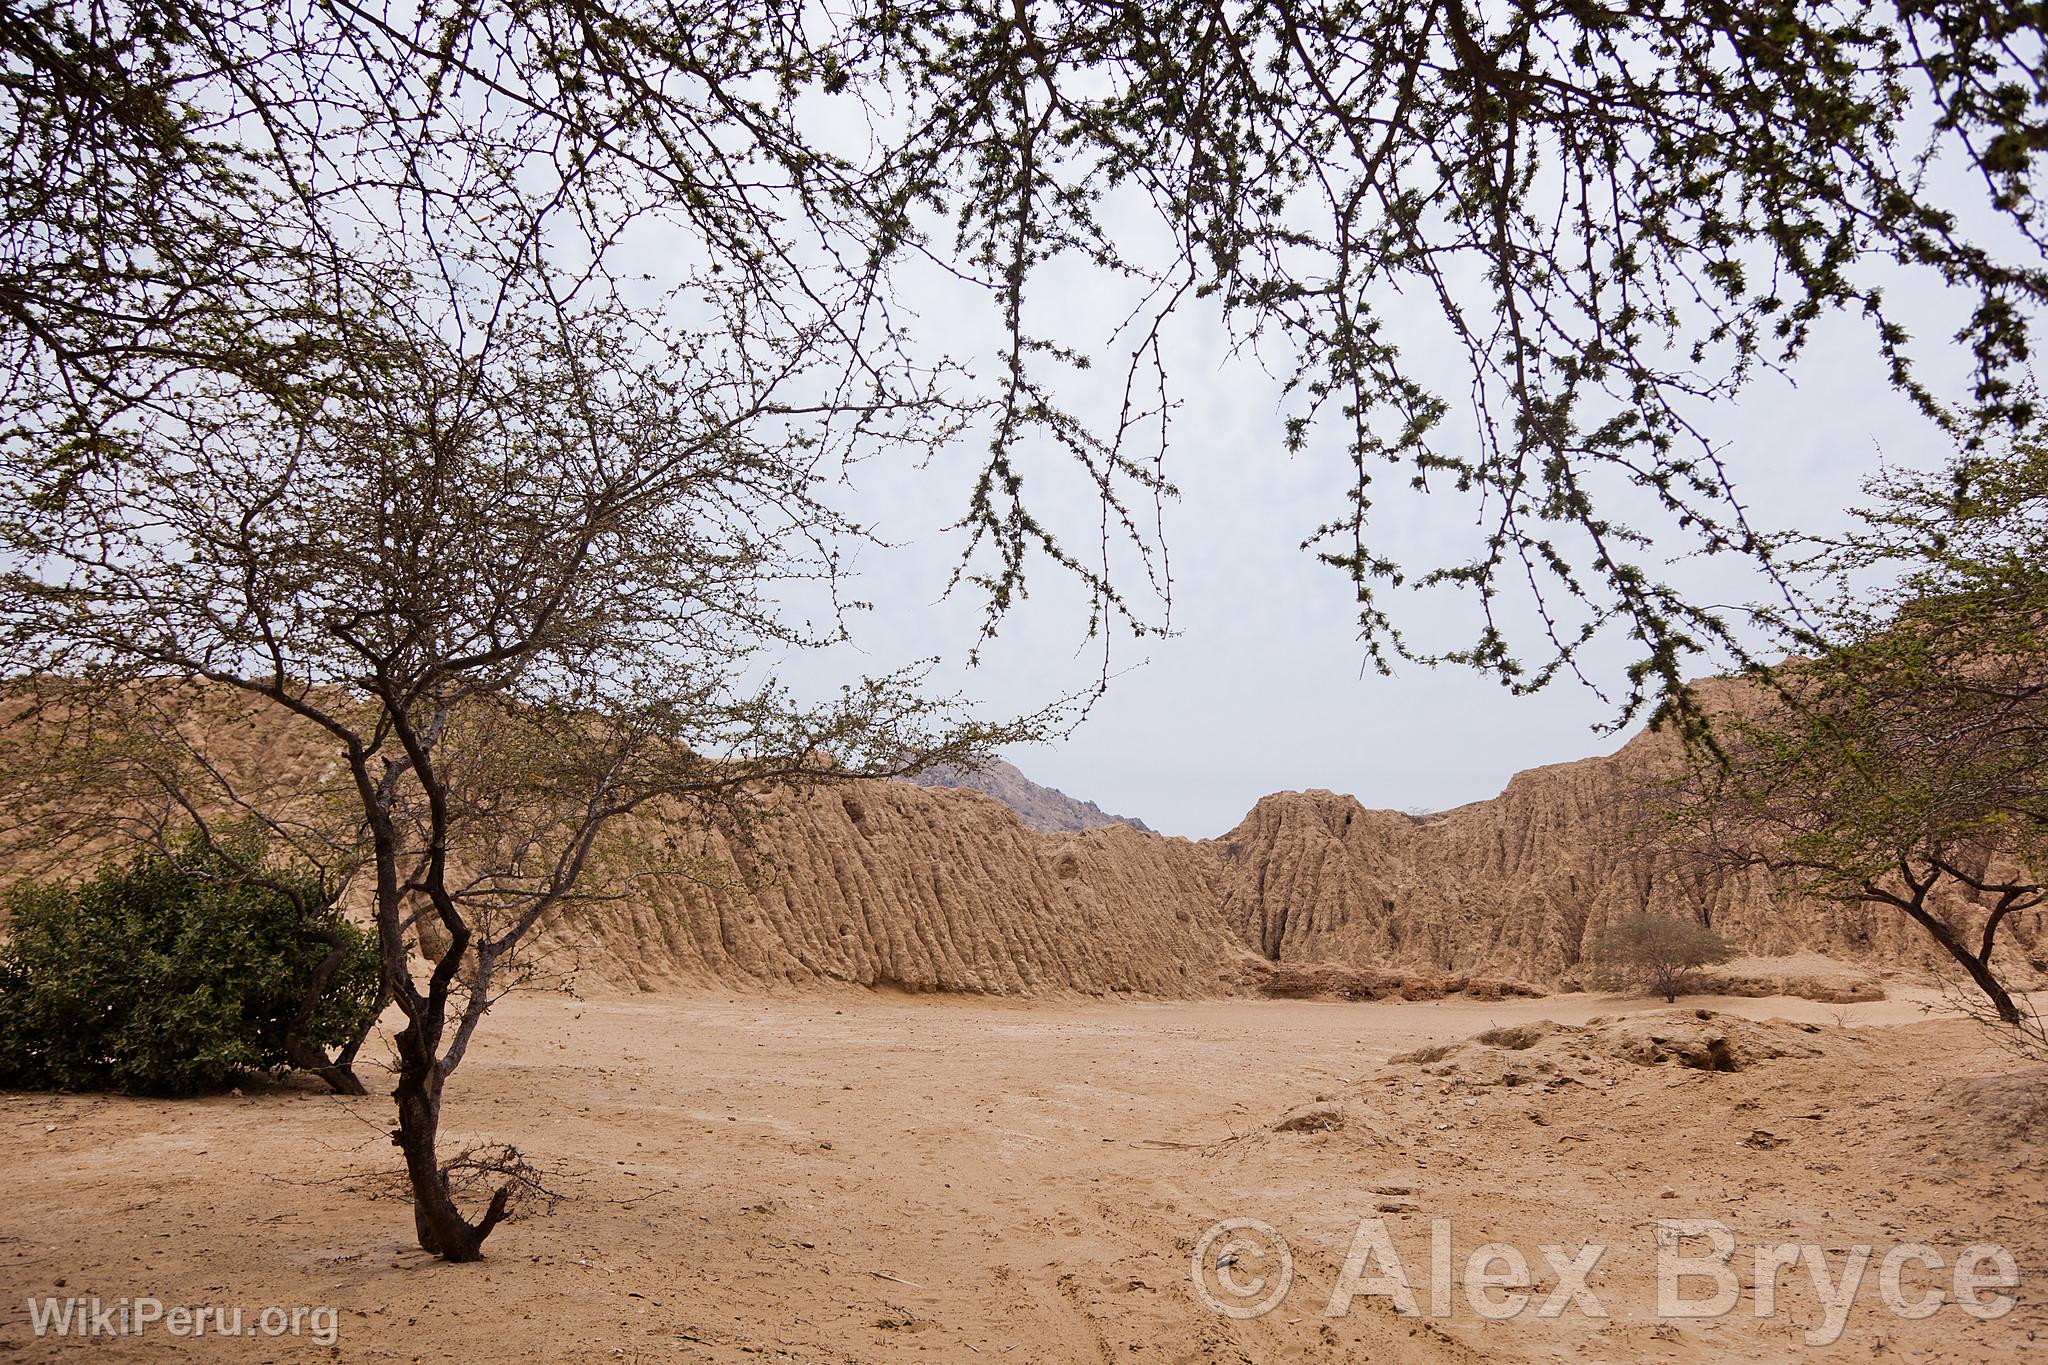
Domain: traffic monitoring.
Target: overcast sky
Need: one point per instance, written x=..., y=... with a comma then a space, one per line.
x=1263, y=686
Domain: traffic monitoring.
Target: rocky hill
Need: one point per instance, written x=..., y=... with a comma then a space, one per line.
x=1045, y=809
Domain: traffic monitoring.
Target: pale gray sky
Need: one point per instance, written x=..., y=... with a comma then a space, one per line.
x=1262, y=687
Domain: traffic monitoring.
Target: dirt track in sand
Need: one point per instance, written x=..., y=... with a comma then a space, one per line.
x=853, y=1177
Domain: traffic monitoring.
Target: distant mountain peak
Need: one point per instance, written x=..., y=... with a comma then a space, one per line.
x=1042, y=808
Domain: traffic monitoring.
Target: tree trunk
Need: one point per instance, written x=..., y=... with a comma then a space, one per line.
x=1979, y=968
x=440, y=1225
x=341, y=1078
x=1665, y=981
x=338, y=1072
x=1980, y=972
x=344, y=1062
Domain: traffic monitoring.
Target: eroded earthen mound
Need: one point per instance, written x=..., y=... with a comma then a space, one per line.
x=1551, y=1054
x=886, y=884
x=1996, y=1113
x=1343, y=981
x=1807, y=976
x=919, y=889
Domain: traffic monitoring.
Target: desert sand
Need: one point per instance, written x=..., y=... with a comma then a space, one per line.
x=853, y=1176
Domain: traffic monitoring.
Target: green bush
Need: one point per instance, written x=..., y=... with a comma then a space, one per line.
x=170, y=974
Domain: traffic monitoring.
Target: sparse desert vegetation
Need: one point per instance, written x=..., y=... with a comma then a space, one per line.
x=528, y=531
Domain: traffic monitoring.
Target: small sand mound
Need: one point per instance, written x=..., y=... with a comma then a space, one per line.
x=1322, y=1116
x=1551, y=1054
x=2012, y=1107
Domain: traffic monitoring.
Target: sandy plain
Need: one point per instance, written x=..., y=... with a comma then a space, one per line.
x=856, y=1177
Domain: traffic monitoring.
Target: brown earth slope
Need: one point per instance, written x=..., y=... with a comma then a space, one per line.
x=1513, y=886
x=895, y=885
x=888, y=884
x=942, y=890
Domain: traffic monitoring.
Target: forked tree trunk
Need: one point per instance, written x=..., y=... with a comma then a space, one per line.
x=340, y=1077
x=439, y=1223
x=1979, y=967
x=338, y=1072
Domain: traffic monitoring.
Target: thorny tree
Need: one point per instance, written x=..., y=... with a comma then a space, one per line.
x=1662, y=952
x=1904, y=763
x=512, y=595
x=1618, y=214
x=320, y=382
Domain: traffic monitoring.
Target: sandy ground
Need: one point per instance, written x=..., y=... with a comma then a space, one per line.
x=876, y=1178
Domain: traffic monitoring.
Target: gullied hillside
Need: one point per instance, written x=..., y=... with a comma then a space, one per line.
x=888, y=884
x=1515, y=886
x=932, y=889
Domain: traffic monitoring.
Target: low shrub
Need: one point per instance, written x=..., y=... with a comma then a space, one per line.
x=175, y=972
